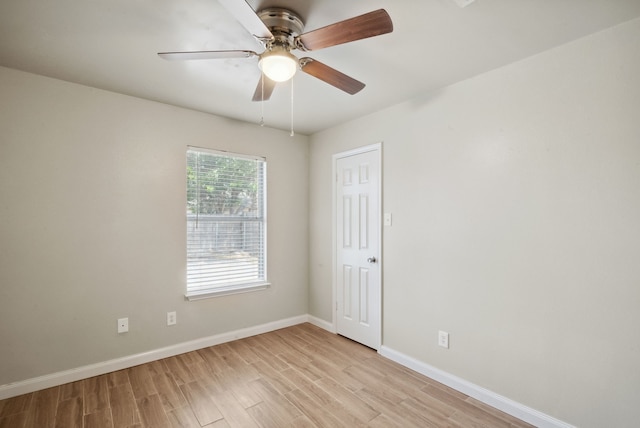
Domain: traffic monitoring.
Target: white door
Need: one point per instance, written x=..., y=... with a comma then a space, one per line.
x=357, y=217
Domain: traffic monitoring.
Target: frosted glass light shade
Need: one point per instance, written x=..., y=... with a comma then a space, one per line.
x=278, y=65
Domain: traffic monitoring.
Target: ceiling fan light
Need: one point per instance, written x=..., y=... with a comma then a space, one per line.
x=278, y=66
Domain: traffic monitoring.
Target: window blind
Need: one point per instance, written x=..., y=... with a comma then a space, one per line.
x=226, y=223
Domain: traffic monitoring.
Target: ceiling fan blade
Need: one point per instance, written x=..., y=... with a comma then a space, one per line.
x=360, y=27
x=245, y=15
x=178, y=56
x=263, y=93
x=331, y=76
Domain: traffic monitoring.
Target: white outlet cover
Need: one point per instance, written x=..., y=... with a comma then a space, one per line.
x=171, y=318
x=443, y=339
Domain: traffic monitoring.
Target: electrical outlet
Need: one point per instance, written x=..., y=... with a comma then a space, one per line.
x=443, y=339
x=123, y=325
x=171, y=318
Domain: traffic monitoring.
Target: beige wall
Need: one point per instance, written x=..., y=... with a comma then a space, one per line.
x=516, y=228
x=92, y=225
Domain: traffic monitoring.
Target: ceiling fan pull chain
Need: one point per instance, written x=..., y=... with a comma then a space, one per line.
x=262, y=100
x=292, y=133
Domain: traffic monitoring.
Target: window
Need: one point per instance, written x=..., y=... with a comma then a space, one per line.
x=226, y=223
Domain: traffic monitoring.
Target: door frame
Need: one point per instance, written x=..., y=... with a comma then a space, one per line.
x=377, y=147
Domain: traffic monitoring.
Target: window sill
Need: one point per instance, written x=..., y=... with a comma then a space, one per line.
x=226, y=291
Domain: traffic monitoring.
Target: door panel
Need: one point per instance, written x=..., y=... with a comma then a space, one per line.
x=357, y=247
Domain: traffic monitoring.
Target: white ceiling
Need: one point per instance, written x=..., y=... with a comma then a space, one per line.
x=112, y=44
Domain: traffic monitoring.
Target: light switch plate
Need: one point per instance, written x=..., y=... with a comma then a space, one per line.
x=123, y=325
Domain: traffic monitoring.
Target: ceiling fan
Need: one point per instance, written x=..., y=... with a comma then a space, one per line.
x=279, y=30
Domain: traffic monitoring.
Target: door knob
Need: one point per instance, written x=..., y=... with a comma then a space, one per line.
x=371, y=260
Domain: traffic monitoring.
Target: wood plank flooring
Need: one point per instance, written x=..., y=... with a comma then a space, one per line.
x=301, y=376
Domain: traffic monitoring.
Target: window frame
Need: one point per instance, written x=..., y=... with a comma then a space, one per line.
x=239, y=287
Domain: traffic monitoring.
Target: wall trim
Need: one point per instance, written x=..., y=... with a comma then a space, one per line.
x=54, y=379
x=326, y=325
x=513, y=408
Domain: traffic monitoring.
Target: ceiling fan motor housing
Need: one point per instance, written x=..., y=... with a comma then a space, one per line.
x=284, y=24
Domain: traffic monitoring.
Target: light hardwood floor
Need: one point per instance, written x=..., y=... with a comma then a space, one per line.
x=301, y=376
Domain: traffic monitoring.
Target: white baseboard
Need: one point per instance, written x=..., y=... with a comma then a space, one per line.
x=497, y=401
x=511, y=407
x=59, y=378
x=322, y=324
